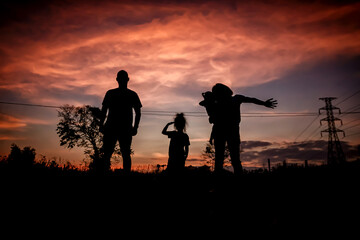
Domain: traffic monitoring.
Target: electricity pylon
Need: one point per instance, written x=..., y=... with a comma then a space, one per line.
x=335, y=153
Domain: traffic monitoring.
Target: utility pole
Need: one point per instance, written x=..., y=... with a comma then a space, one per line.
x=335, y=152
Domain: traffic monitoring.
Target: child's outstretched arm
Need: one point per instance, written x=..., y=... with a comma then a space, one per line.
x=165, y=131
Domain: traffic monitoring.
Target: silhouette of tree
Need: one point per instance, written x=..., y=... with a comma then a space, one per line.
x=21, y=158
x=81, y=127
x=209, y=155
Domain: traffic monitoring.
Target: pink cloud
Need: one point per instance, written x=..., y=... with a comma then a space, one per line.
x=248, y=45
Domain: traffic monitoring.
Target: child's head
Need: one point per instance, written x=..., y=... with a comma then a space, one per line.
x=180, y=122
x=208, y=99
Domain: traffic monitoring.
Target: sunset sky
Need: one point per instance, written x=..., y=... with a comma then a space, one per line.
x=68, y=52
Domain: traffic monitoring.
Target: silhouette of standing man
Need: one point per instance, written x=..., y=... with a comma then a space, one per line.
x=224, y=112
x=117, y=108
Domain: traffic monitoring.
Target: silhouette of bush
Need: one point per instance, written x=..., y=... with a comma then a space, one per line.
x=21, y=158
x=208, y=155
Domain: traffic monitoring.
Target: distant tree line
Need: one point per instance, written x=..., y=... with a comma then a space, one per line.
x=24, y=161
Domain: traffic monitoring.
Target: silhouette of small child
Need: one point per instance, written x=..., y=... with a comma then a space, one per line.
x=209, y=104
x=179, y=144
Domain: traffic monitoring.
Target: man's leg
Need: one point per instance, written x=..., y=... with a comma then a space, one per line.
x=109, y=141
x=125, y=148
x=234, y=149
x=219, y=143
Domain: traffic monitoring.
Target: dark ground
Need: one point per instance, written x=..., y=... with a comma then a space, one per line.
x=292, y=198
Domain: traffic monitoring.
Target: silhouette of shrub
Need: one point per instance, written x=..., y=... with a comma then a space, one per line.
x=21, y=158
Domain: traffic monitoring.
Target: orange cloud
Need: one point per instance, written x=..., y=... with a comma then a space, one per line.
x=240, y=45
x=7, y=121
x=12, y=138
x=11, y=122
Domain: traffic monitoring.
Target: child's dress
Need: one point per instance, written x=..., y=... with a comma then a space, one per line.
x=177, y=155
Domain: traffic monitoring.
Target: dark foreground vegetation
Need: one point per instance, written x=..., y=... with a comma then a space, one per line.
x=298, y=198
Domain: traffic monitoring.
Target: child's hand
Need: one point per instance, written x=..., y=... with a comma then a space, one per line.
x=165, y=131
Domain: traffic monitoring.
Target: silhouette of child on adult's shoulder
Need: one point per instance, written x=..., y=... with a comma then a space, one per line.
x=223, y=109
x=179, y=144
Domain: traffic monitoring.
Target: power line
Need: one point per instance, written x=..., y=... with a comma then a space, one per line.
x=355, y=120
x=191, y=114
x=351, y=127
x=242, y=115
x=348, y=97
x=312, y=134
x=351, y=109
x=353, y=134
x=306, y=128
x=163, y=113
x=352, y=112
x=30, y=105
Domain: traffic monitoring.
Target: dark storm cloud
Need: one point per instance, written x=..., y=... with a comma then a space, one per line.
x=344, y=20
x=78, y=17
x=254, y=144
x=315, y=151
x=293, y=152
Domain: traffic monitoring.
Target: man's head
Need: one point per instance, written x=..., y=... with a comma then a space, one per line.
x=122, y=78
x=221, y=91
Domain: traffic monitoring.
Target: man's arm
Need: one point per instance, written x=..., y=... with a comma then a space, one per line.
x=104, y=110
x=137, y=120
x=270, y=103
x=103, y=113
x=186, y=151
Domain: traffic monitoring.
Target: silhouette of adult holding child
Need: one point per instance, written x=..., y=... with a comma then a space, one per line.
x=179, y=144
x=117, y=110
x=224, y=113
